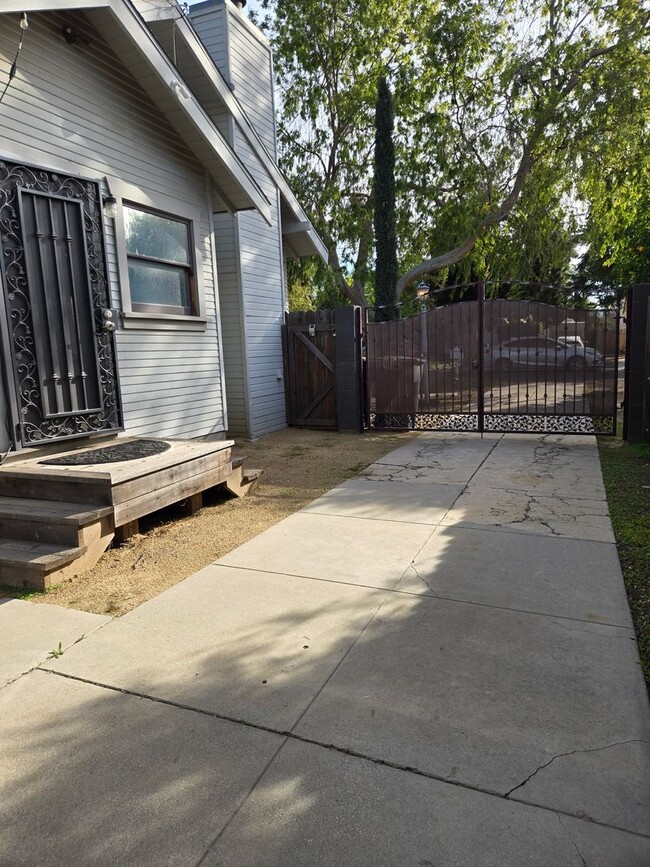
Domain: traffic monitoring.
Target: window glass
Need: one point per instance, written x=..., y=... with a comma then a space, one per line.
x=155, y=283
x=156, y=237
x=158, y=249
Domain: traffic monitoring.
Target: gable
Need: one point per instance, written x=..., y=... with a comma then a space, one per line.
x=125, y=32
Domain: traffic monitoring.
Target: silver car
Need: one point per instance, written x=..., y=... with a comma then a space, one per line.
x=541, y=353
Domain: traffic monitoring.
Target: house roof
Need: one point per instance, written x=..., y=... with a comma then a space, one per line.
x=300, y=237
x=126, y=32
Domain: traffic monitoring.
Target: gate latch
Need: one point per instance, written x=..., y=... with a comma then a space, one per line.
x=312, y=330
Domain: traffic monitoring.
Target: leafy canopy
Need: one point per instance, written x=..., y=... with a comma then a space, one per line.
x=506, y=118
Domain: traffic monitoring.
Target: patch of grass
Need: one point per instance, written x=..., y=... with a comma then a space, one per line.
x=626, y=473
x=26, y=593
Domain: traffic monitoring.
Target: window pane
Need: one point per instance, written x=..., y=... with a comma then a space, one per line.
x=154, y=283
x=157, y=237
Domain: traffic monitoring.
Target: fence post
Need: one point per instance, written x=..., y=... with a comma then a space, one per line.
x=481, y=358
x=288, y=372
x=636, y=404
x=349, y=371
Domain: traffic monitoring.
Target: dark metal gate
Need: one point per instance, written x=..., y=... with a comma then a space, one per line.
x=56, y=332
x=495, y=365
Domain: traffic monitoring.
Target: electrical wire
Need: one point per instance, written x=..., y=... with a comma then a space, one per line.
x=14, y=66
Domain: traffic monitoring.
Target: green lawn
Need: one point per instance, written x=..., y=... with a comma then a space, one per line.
x=626, y=471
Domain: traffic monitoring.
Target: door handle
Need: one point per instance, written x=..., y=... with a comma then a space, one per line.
x=107, y=320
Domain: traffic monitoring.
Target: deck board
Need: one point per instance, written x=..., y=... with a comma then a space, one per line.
x=43, y=507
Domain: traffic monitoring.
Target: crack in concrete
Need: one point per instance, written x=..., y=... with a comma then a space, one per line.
x=571, y=753
x=575, y=845
x=528, y=514
x=423, y=580
x=291, y=734
x=543, y=457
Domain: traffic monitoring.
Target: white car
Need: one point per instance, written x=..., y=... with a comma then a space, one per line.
x=572, y=340
x=542, y=353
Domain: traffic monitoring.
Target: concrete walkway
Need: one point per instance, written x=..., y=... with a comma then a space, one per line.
x=433, y=664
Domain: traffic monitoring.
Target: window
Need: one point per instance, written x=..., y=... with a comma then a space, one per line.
x=160, y=262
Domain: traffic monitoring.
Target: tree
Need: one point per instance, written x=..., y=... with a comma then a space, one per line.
x=386, y=269
x=329, y=55
x=520, y=104
x=496, y=101
x=616, y=182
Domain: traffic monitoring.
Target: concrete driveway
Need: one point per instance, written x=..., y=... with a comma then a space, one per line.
x=432, y=664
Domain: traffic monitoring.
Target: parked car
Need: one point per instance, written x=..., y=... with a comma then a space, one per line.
x=542, y=352
x=572, y=340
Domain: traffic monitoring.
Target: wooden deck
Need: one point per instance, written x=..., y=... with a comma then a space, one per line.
x=58, y=520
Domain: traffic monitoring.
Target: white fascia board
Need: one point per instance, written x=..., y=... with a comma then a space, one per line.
x=307, y=244
x=321, y=249
x=17, y=6
x=233, y=105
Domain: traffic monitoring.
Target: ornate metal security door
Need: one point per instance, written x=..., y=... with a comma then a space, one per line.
x=57, y=342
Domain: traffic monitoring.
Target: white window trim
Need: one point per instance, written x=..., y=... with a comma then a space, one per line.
x=128, y=194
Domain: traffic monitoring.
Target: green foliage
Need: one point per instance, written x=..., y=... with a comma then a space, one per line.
x=514, y=121
x=386, y=272
x=626, y=473
x=329, y=55
x=56, y=653
x=312, y=286
x=619, y=229
x=615, y=177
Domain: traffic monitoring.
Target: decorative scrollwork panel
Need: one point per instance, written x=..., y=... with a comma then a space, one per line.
x=55, y=285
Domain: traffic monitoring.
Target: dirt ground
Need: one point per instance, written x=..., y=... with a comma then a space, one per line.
x=298, y=465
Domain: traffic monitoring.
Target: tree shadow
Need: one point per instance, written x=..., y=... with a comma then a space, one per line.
x=373, y=699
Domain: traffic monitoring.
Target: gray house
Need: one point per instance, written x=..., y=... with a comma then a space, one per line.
x=144, y=223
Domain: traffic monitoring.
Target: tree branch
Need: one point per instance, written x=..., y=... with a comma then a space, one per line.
x=496, y=216
x=352, y=293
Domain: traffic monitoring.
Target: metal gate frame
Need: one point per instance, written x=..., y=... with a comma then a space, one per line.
x=483, y=418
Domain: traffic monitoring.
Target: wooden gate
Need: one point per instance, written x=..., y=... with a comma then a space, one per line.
x=323, y=369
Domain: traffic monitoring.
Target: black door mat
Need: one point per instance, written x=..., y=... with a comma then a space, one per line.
x=131, y=451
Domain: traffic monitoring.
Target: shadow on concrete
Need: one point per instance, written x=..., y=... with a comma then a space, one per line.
x=295, y=721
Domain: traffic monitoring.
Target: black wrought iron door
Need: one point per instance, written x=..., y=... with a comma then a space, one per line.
x=55, y=292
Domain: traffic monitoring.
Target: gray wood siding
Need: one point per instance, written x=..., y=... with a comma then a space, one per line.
x=243, y=56
x=252, y=296
x=74, y=108
x=263, y=293
x=211, y=26
x=197, y=81
x=252, y=75
x=232, y=326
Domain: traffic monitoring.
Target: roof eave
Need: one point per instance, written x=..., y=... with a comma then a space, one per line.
x=237, y=188
x=302, y=240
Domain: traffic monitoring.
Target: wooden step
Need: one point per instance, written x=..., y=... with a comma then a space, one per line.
x=78, y=514
x=31, y=564
x=241, y=482
x=23, y=482
x=47, y=520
